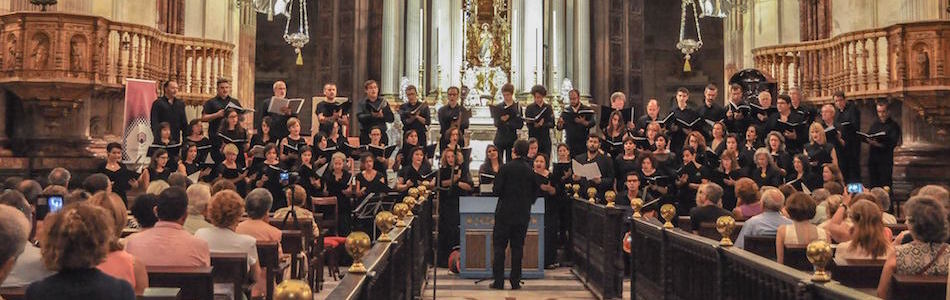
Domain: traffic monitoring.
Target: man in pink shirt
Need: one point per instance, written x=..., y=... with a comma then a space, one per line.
x=167, y=244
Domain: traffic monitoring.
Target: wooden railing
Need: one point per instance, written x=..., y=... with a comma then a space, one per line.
x=82, y=49
x=397, y=269
x=596, y=247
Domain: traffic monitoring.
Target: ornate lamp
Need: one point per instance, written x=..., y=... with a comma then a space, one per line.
x=43, y=3
x=357, y=243
x=668, y=211
x=302, y=36
x=725, y=225
x=687, y=45
x=819, y=254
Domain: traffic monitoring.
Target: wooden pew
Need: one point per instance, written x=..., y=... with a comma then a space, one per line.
x=684, y=253
x=648, y=260
x=230, y=268
x=708, y=229
x=683, y=222
x=914, y=287
x=195, y=283
x=293, y=244
x=857, y=273
x=15, y=293
x=795, y=257
x=269, y=256
x=761, y=245
x=897, y=228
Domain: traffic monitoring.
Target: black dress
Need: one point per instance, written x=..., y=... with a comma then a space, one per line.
x=559, y=172
x=272, y=184
x=334, y=187
x=120, y=178
x=551, y=211
x=258, y=140
x=154, y=175
x=818, y=155
x=486, y=175
x=686, y=197
x=622, y=167
x=719, y=176
x=304, y=174
x=236, y=137
x=771, y=177
x=449, y=218
x=292, y=146
x=231, y=174
x=414, y=176
x=172, y=147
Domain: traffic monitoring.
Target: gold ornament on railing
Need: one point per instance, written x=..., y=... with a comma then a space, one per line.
x=401, y=210
x=725, y=225
x=357, y=243
x=637, y=205
x=411, y=202
x=292, y=289
x=591, y=192
x=819, y=254
x=414, y=192
x=610, y=196
x=668, y=211
x=384, y=222
x=576, y=188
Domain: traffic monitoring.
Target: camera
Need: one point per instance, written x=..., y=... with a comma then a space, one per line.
x=46, y=204
x=288, y=178
x=855, y=188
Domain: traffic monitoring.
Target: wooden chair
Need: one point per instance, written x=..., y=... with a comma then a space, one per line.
x=897, y=228
x=683, y=222
x=231, y=268
x=295, y=243
x=763, y=246
x=269, y=256
x=795, y=257
x=857, y=273
x=160, y=294
x=918, y=287
x=16, y=293
x=196, y=283
x=326, y=224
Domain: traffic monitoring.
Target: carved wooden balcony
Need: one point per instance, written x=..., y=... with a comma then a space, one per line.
x=905, y=62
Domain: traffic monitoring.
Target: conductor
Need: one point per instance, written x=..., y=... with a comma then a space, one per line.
x=516, y=187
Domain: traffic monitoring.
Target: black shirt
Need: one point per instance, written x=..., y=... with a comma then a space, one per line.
x=774, y=123
x=408, y=113
x=576, y=133
x=507, y=131
x=706, y=214
x=447, y=116
x=173, y=113
x=892, y=136
x=368, y=120
x=327, y=109
x=80, y=284
x=120, y=178
x=543, y=132
x=214, y=105
x=278, y=122
x=849, y=120
x=714, y=113
x=606, y=167
x=516, y=187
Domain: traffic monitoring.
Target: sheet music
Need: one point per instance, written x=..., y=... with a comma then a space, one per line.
x=277, y=105
x=194, y=176
x=587, y=171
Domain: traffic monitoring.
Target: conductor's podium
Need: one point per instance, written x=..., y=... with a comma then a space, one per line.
x=477, y=215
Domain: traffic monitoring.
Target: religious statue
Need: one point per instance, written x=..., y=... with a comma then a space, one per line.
x=40, y=51
x=923, y=64
x=75, y=54
x=11, y=51
x=486, y=40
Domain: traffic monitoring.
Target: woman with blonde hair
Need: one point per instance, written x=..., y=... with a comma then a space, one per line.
x=118, y=263
x=868, y=238
x=819, y=151
x=78, y=238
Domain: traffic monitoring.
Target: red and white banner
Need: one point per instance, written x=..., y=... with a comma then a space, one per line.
x=139, y=95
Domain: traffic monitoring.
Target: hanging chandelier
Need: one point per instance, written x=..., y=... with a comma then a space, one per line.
x=688, y=45
x=302, y=36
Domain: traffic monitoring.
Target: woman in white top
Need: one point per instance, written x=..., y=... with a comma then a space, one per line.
x=225, y=211
x=800, y=207
x=868, y=239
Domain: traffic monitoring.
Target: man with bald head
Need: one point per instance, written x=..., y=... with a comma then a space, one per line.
x=769, y=220
x=14, y=230
x=278, y=124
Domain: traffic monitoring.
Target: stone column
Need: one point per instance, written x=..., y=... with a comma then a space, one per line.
x=581, y=44
x=556, y=38
x=389, y=83
x=413, y=42
x=921, y=159
x=4, y=150
x=533, y=38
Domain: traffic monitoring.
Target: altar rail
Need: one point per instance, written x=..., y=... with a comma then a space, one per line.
x=83, y=49
x=387, y=264
x=596, y=247
x=673, y=264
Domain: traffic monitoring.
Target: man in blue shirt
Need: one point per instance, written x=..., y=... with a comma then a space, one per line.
x=768, y=221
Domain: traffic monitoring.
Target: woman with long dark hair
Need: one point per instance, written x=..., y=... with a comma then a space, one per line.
x=489, y=168
x=231, y=132
x=548, y=181
x=454, y=181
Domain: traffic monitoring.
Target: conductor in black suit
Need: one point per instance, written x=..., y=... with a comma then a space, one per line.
x=517, y=187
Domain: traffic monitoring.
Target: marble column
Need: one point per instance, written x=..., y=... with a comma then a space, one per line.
x=392, y=31
x=532, y=52
x=4, y=150
x=413, y=42
x=556, y=38
x=581, y=45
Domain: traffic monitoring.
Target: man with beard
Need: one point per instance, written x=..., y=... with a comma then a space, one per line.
x=593, y=155
x=576, y=123
x=278, y=124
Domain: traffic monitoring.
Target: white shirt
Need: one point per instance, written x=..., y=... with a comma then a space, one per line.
x=28, y=268
x=225, y=240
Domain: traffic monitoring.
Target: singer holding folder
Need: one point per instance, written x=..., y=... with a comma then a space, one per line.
x=539, y=117
x=374, y=112
x=886, y=135
x=279, y=116
x=507, y=118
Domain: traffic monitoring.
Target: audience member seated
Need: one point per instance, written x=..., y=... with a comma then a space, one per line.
x=59, y=176
x=884, y=202
x=257, y=205
x=198, y=197
x=179, y=180
x=839, y=226
x=96, y=183
x=927, y=253
x=30, y=189
x=299, y=196
x=708, y=206
x=29, y=266
x=221, y=185
x=800, y=207
x=833, y=188
x=167, y=243
x=868, y=240
x=768, y=221
x=225, y=211
x=156, y=187
x=11, y=182
x=14, y=231
x=821, y=212
x=118, y=263
x=143, y=210
x=77, y=195
x=747, y=197
x=77, y=240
